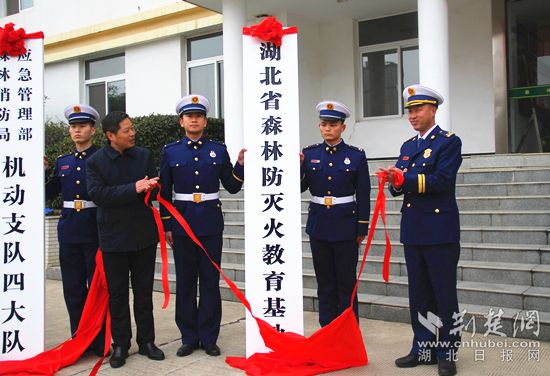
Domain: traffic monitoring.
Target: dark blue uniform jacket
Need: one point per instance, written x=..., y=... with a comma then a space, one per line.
x=337, y=171
x=69, y=179
x=125, y=223
x=197, y=167
x=429, y=211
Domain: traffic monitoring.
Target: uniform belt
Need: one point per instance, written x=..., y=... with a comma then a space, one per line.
x=196, y=197
x=79, y=204
x=331, y=200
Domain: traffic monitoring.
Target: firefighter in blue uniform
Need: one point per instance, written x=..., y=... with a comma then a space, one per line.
x=190, y=174
x=77, y=227
x=430, y=228
x=337, y=176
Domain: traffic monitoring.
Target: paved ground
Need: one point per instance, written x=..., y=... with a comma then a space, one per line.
x=384, y=341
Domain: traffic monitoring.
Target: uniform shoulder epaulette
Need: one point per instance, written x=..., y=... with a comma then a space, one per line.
x=410, y=139
x=356, y=148
x=177, y=142
x=217, y=142
x=64, y=155
x=446, y=133
x=311, y=146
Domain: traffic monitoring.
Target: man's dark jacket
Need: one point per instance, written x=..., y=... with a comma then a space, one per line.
x=124, y=222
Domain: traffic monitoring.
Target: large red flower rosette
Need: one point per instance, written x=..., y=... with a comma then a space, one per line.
x=12, y=41
x=270, y=30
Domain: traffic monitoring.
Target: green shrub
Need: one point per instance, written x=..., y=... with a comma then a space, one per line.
x=152, y=132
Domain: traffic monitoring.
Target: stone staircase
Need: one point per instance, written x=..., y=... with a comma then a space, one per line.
x=505, y=255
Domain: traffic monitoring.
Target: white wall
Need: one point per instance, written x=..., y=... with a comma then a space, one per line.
x=379, y=137
x=58, y=16
x=153, y=77
x=471, y=73
x=471, y=85
x=309, y=73
x=61, y=88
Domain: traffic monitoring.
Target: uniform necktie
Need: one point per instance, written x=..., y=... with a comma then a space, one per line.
x=419, y=142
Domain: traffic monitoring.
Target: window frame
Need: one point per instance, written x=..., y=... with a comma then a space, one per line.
x=215, y=61
x=398, y=46
x=105, y=79
x=23, y=9
x=4, y=8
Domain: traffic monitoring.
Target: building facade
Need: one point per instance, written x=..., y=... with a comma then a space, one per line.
x=489, y=58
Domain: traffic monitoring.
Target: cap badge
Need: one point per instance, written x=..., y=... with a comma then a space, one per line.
x=330, y=106
x=212, y=153
x=195, y=100
x=76, y=109
x=411, y=91
x=347, y=161
x=427, y=153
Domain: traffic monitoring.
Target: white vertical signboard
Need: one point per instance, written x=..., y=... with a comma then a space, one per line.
x=273, y=235
x=22, y=203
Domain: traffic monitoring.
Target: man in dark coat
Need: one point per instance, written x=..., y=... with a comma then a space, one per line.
x=118, y=177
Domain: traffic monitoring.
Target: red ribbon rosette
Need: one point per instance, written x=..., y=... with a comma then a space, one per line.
x=12, y=41
x=270, y=30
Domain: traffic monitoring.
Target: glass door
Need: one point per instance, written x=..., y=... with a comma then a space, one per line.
x=528, y=39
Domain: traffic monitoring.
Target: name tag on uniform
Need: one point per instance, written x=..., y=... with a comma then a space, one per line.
x=405, y=157
x=65, y=167
x=315, y=161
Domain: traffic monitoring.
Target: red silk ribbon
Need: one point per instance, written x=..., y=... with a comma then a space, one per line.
x=379, y=211
x=65, y=354
x=163, y=250
x=399, y=178
x=294, y=354
x=270, y=30
x=12, y=42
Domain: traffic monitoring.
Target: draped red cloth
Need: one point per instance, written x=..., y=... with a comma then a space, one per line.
x=12, y=42
x=336, y=346
x=91, y=322
x=270, y=30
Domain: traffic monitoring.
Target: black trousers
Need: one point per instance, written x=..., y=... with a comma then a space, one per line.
x=432, y=279
x=202, y=322
x=335, y=266
x=140, y=266
x=77, y=262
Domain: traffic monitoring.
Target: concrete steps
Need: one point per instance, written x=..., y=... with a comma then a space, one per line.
x=505, y=245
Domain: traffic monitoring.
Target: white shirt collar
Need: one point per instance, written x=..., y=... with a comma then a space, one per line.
x=427, y=133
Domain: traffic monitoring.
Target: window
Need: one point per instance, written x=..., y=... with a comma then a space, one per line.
x=388, y=51
x=9, y=7
x=105, y=84
x=528, y=63
x=205, y=70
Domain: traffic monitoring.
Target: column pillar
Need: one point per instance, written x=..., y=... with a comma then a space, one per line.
x=433, y=54
x=234, y=18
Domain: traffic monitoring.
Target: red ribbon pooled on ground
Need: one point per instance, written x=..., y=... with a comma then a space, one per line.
x=294, y=354
x=65, y=354
x=269, y=30
x=12, y=42
x=94, y=314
